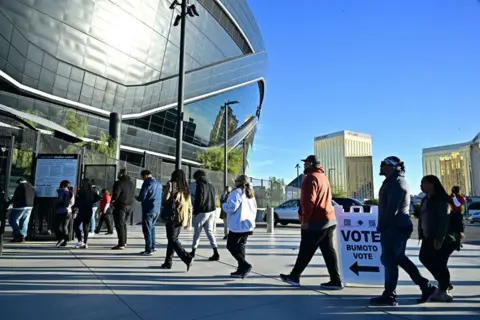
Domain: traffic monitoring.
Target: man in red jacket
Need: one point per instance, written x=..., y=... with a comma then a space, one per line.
x=317, y=217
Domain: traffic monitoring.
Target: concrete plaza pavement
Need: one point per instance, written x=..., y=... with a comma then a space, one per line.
x=39, y=281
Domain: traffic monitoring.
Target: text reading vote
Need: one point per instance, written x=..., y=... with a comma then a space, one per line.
x=359, y=236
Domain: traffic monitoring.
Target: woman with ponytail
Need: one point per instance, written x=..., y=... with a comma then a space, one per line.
x=241, y=210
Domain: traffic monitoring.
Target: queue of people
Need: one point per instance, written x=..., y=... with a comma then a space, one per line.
x=440, y=226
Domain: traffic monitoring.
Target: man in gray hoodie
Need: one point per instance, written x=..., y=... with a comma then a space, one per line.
x=396, y=227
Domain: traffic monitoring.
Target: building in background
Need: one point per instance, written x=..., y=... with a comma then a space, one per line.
x=96, y=57
x=456, y=164
x=346, y=157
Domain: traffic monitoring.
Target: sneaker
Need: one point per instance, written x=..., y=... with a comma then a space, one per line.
x=96, y=232
x=247, y=271
x=290, y=280
x=189, y=263
x=332, y=285
x=427, y=294
x=384, y=301
x=84, y=246
x=441, y=296
x=118, y=248
x=146, y=253
x=215, y=257
x=78, y=245
x=64, y=244
x=236, y=274
x=166, y=266
x=59, y=242
x=91, y=234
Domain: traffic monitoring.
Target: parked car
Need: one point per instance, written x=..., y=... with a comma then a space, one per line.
x=347, y=203
x=287, y=212
x=474, y=212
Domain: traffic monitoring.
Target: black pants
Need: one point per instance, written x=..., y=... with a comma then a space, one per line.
x=312, y=240
x=120, y=217
x=174, y=245
x=85, y=218
x=62, y=226
x=436, y=261
x=236, y=243
x=107, y=218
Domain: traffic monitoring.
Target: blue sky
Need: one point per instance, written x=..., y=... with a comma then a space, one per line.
x=406, y=71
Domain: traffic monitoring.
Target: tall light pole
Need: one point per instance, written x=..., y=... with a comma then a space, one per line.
x=181, y=19
x=298, y=175
x=225, y=147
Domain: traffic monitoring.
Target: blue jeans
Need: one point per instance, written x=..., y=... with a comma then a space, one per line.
x=19, y=219
x=149, y=231
x=92, y=222
x=394, y=245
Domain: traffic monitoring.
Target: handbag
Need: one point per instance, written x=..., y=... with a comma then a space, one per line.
x=168, y=212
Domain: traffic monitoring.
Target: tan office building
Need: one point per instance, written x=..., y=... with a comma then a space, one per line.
x=457, y=164
x=346, y=157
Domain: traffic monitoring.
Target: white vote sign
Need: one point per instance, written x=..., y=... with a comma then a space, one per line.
x=359, y=247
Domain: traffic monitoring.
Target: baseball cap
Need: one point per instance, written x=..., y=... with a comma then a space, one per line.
x=311, y=158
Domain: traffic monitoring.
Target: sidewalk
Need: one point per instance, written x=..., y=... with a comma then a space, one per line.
x=38, y=281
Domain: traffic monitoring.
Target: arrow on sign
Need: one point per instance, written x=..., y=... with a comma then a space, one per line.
x=357, y=269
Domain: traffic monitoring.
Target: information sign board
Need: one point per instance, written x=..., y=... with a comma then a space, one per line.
x=51, y=169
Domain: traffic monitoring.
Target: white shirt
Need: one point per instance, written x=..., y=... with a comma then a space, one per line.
x=241, y=212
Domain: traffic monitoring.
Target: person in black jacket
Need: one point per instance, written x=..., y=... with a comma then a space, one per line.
x=86, y=198
x=22, y=202
x=204, y=213
x=123, y=197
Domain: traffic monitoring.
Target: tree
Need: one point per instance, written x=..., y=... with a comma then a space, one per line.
x=277, y=190
x=213, y=158
x=338, y=192
x=23, y=158
x=372, y=202
x=79, y=125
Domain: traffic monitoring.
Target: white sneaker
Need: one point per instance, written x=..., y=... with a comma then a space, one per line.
x=79, y=245
x=91, y=234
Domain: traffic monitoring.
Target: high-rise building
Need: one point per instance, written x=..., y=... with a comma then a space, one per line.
x=456, y=164
x=217, y=135
x=96, y=57
x=346, y=157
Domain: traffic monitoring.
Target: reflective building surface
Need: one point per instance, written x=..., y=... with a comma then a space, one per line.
x=455, y=165
x=346, y=157
x=96, y=57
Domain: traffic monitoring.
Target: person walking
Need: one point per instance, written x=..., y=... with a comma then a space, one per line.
x=223, y=214
x=241, y=209
x=151, y=198
x=123, y=196
x=22, y=205
x=438, y=235
x=204, y=213
x=177, y=214
x=458, y=200
x=105, y=213
x=63, y=213
x=86, y=199
x=395, y=227
x=318, y=224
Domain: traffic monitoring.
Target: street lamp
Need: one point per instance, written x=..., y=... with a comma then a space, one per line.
x=181, y=20
x=225, y=147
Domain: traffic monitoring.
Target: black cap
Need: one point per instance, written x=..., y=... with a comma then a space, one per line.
x=311, y=158
x=21, y=180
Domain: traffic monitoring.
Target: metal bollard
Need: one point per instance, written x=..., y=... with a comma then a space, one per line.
x=270, y=220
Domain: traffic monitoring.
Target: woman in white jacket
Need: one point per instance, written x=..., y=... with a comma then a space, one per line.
x=241, y=208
